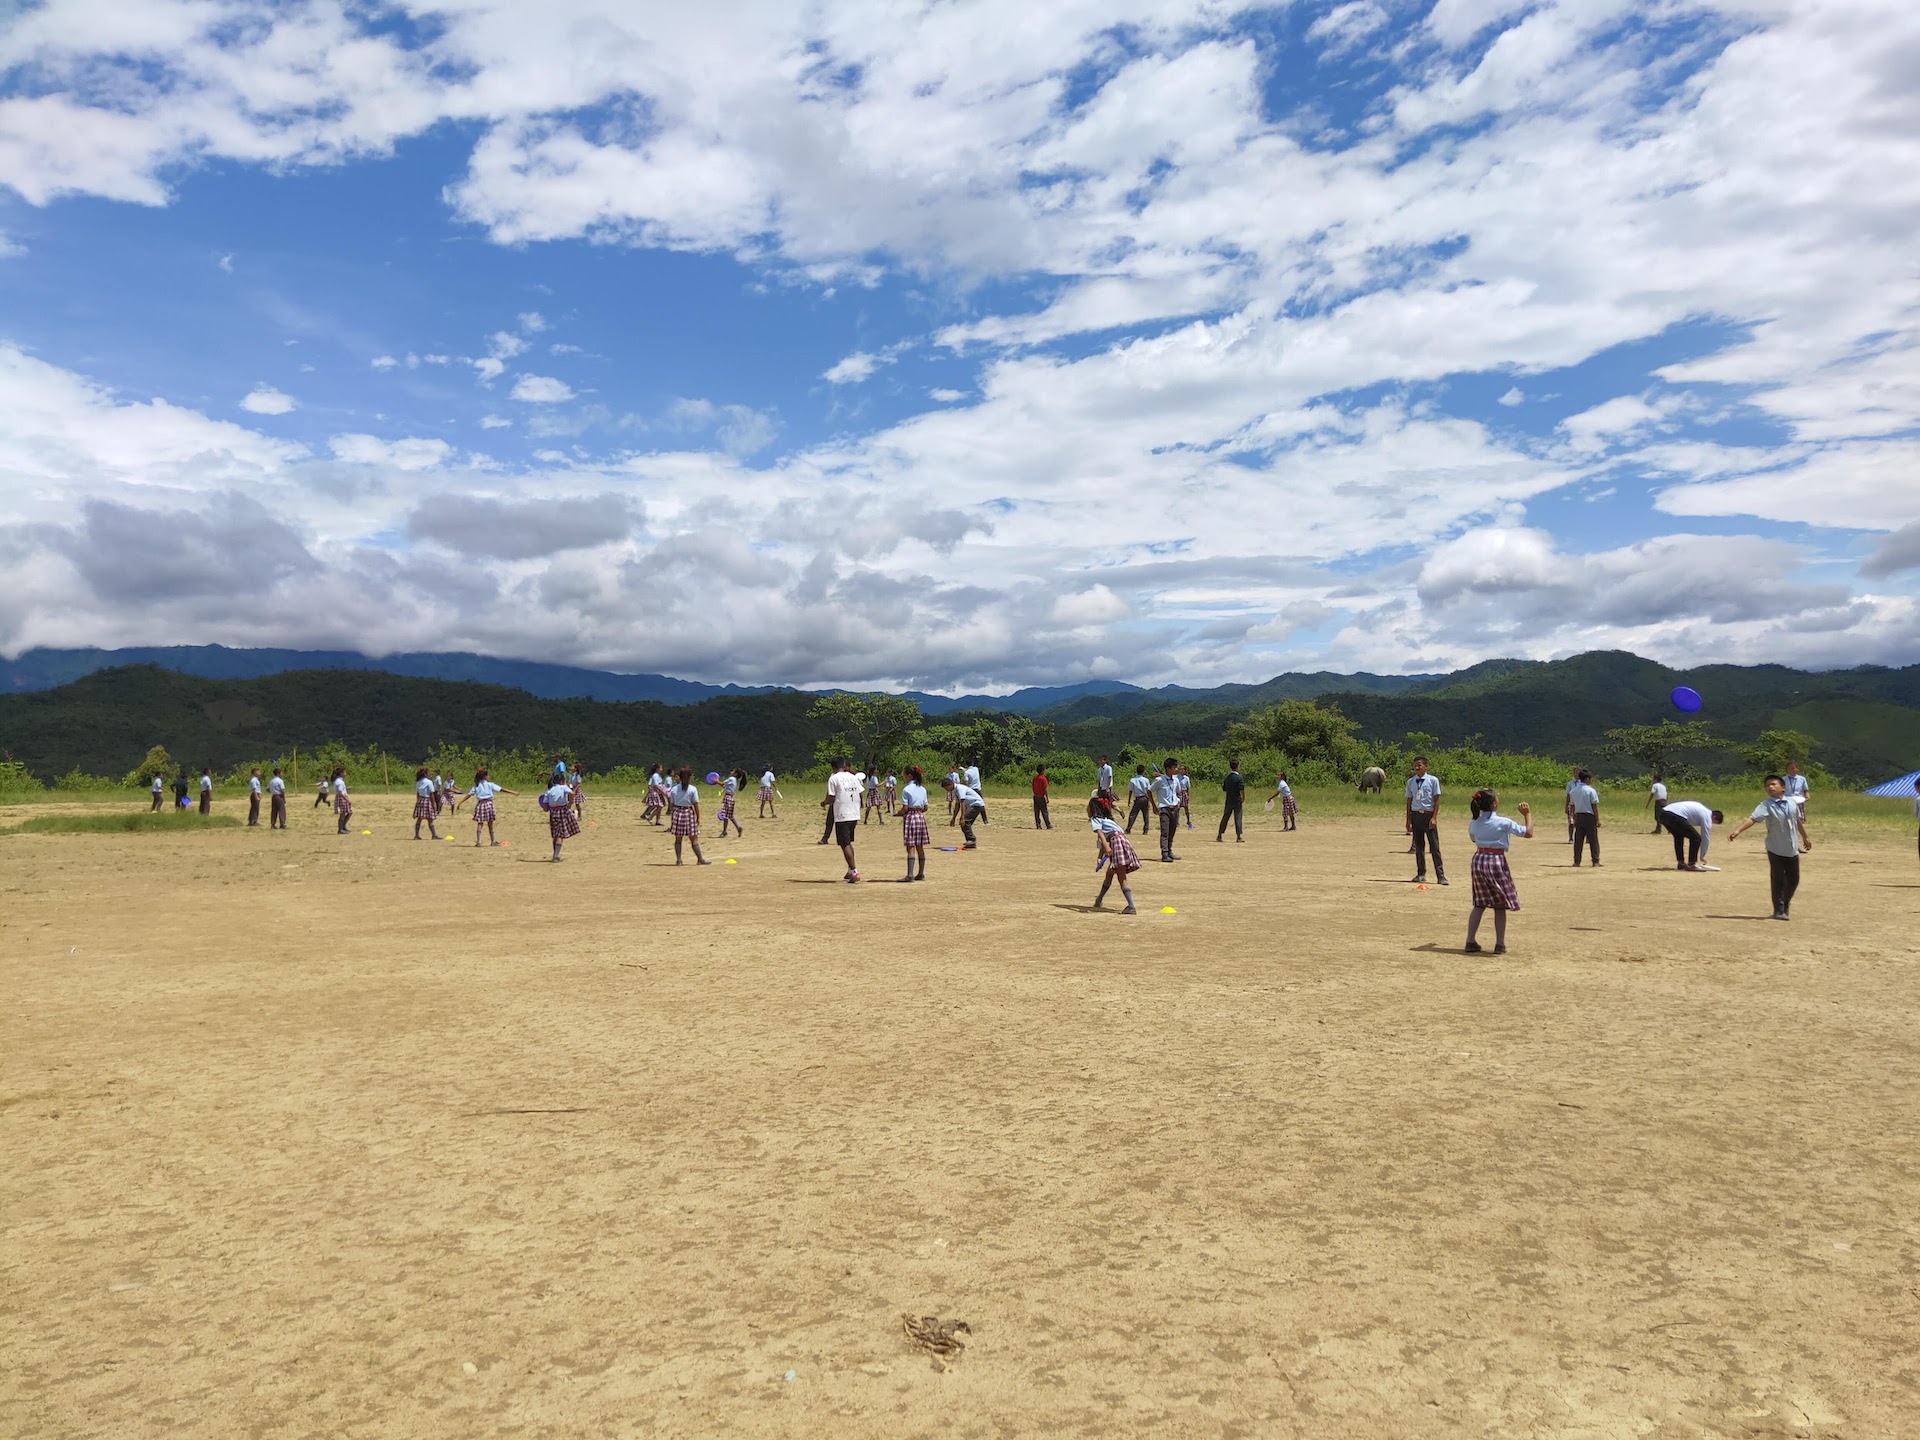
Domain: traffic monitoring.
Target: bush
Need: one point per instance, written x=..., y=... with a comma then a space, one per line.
x=74, y=780
x=158, y=762
x=16, y=779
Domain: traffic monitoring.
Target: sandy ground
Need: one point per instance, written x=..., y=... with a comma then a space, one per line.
x=312, y=1136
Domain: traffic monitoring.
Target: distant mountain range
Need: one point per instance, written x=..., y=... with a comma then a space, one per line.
x=1866, y=720
x=44, y=669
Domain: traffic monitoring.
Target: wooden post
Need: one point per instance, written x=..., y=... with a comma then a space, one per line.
x=386, y=780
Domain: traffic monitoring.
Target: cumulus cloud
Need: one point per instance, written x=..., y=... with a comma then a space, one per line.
x=1899, y=551
x=130, y=556
x=521, y=530
x=853, y=369
x=409, y=454
x=541, y=390
x=265, y=400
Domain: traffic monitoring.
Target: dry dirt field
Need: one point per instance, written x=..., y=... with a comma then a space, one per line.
x=319, y=1136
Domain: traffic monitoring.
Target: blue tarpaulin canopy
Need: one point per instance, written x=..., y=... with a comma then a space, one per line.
x=1901, y=789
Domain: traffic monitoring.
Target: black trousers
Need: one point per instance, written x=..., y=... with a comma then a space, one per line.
x=1425, y=834
x=157, y=799
x=1686, y=839
x=206, y=802
x=1143, y=812
x=967, y=817
x=1784, y=873
x=253, y=809
x=1586, y=832
x=277, y=813
x=1041, y=819
x=1232, y=812
x=826, y=830
x=1169, y=827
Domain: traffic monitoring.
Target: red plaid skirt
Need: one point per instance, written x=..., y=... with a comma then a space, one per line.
x=561, y=823
x=342, y=806
x=726, y=808
x=684, y=822
x=913, y=828
x=424, y=807
x=1122, y=861
x=766, y=792
x=1493, y=882
x=483, y=812
x=656, y=798
x=1287, y=807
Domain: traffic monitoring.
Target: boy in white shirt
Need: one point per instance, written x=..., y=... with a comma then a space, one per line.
x=1585, y=801
x=842, y=805
x=1656, y=800
x=968, y=808
x=1140, y=802
x=1691, y=825
x=253, y=799
x=766, y=794
x=1786, y=826
x=159, y=792
x=206, y=792
x=277, y=801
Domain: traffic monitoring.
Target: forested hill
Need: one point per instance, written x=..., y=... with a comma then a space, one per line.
x=1866, y=721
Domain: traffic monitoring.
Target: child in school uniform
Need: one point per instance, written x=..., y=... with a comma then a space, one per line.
x=206, y=792
x=483, y=792
x=729, y=796
x=656, y=796
x=968, y=809
x=913, y=822
x=1289, y=808
x=342, y=802
x=1183, y=784
x=1786, y=824
x=562, y=823
x=426, y=802
x=1493, y=887
x=159, y=792
x=888, y=793
x=685, y=801
x=254, y=791
x=1114, y=850
x=870, y=797
x=766, y=793
x=277, y=801
x=322, y=792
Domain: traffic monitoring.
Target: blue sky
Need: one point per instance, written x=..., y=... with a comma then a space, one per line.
x=965, y=346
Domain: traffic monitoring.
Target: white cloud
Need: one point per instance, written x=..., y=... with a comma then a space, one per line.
x=947, y=397
x=533, y=322
x=1346, y=25
x=853, y=369
x=411, y=454
x=494, y=422
x=541, y=390
x=383, y=362
x=225, y=262
x=1513, y=396
x=265, y=400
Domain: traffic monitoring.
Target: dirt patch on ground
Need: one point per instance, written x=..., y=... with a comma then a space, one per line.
x=353, y=1136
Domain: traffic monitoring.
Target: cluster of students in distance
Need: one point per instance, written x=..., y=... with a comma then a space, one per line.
x=1162, y=797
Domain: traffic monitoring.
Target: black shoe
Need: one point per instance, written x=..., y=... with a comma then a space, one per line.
x=1441, y=880
x=1499, y=949
x=1472, y=947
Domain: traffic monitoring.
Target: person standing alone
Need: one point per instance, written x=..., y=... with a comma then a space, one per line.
x=206, y=792
x=1041, y=819
x=1586, y=817
x=1657, y=800
x=1423, y=800
x=1786, y=838
x=1235, y=786
x=253, y=800
x=159, y=792
x=277, y=801
x=1166, y=800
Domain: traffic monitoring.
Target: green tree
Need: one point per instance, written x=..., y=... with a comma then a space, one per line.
x=863, y=727
x=1302, y=731
x=1658, y=748
x=1770, y=753
x=158, y=762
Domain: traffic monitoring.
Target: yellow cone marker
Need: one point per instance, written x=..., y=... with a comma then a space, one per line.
x=1168, y=910
x=366, y=832
x=733, y=862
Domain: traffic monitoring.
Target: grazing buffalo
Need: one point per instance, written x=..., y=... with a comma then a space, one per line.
x=1373, y=778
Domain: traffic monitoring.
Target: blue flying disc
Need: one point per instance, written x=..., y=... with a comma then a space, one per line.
x=1685, y=698
x=713, y=777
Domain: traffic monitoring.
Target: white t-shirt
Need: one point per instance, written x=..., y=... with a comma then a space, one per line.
x=558, y=795
x=1659, y=793
x=1493, y=832
x=276, y=786
x=731, y=786
x=843, y=789
x=684, y=796
x=339, y=784
x=1106, y=777
x=915, y=797
x=206, y=783
x=484, y=790
x=159, y=786
x=766, y=781
x=972, y=776
x=1697, y=815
